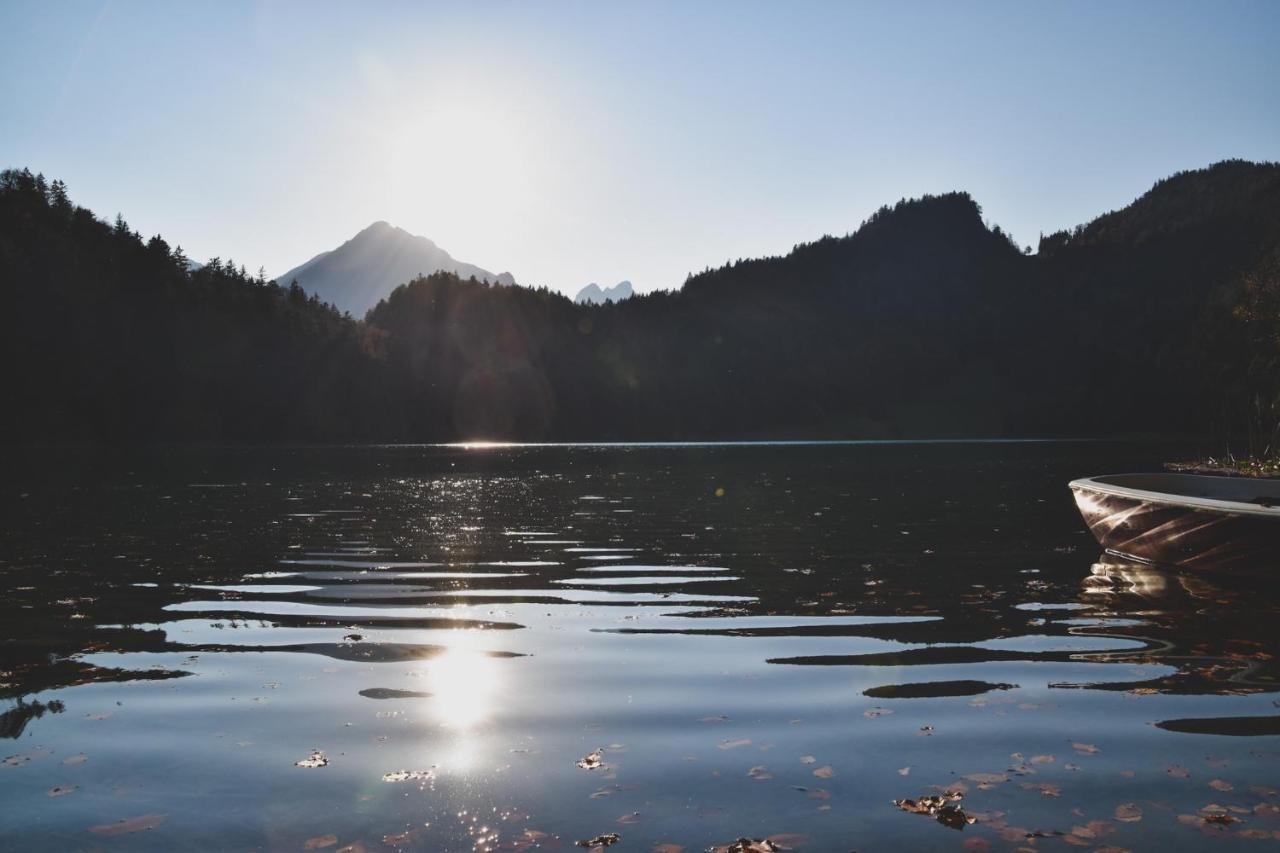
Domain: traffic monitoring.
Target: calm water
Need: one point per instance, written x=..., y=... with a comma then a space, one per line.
x=765, y=641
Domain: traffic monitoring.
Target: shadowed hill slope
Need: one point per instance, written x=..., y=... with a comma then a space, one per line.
x=924, y=322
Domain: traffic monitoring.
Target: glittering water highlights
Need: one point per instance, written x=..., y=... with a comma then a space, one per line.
x=496, y=647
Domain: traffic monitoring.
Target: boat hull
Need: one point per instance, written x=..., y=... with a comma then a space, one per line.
x=1167, y=532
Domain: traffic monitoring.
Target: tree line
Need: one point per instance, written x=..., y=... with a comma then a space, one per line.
x=1160, y=318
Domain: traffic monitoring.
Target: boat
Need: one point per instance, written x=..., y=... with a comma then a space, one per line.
x=1190, y=521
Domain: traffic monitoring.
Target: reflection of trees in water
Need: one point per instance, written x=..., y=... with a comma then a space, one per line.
x=14, y=720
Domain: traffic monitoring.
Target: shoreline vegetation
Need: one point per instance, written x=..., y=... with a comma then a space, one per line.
x=1161, y=319
x=1257, y=468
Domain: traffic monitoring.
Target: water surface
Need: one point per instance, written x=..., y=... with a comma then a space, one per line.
x=456, y=648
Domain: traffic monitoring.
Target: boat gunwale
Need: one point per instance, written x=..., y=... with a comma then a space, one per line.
x=1224, y=507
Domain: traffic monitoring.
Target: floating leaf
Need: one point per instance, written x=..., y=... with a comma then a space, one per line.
x=320, y=842
x=748, y=845
x=605, y=840
x=61, y=790
x=408, y=776
x=315, y=759
x=75, y=759
x=397, y=839
x=1128, y=813
x=629, y=819
x=808, y=759
x=904, y=771
x=760, y=773
x=591, y=761
x=1221, y=785
x=1044, y=788
x=824, y=772
x=1177, y=771
x=733, y=744
x=1093, y=830
x=667, y=848
x=942, y=807
x=872, y=713
x=1042, y=759
x=133, y=824
x=1085, y=748
x=987, y=778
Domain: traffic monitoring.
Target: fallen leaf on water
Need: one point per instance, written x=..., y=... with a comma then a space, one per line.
x=1094, y=829
x=824, y=772
x=788, y=840
x=395, y=839
x=605, y=840
x=629, y=819
x=808, y=759
x=408, y=776
x=602, y=793
x=667, y=848
x=591, y=761
x=748, y=845
x=872, y=713
x=320, y=842
x=1045, y=788
x=1042, y=759
x=759, y=772
x=15, y=761
x=102, y=716
x=987, y=778
x=76, y=759
x=732, y=744
x=315, y=759
x=1177, y=771
x=1085, y=748
x=1220, y=818
x=904, y=771
x=61, y=790
x=1128, y=813
x=353, y=847
x=942, y=807
x=133, y=824
x=1221, y=785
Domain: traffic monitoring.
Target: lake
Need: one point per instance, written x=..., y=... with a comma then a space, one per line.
x=524, y=648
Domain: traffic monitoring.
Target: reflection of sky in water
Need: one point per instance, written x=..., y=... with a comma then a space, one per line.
x=444, y=611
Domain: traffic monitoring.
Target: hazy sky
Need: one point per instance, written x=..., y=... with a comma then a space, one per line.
x=596, y=141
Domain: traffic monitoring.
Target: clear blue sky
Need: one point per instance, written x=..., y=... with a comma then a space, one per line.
x=596, y=141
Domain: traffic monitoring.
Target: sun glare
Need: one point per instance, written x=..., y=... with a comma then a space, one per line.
x=464, y=683
x=462, y=156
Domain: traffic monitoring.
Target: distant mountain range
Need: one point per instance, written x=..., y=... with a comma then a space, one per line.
x=1161, y=318
x=594, y=294
x=363, y=270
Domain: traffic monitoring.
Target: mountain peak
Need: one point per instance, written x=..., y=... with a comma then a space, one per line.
x=597, y=295
x=366, y=268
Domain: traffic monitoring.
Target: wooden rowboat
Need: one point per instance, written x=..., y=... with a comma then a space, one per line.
x=1186, y=520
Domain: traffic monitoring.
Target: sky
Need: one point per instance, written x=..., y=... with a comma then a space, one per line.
x=571, y=142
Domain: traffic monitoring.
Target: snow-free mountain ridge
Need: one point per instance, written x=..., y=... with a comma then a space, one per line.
x=366, y=268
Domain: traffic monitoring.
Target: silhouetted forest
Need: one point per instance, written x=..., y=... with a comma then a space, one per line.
x=1162, y=317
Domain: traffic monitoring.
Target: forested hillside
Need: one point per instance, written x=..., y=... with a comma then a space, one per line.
x=923, y=322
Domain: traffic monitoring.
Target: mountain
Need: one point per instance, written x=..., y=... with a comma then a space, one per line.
x=1161, y=318
x=593, y=294
x=367, y=267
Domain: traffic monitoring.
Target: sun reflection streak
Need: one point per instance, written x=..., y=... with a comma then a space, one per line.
x=464, y=683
